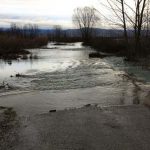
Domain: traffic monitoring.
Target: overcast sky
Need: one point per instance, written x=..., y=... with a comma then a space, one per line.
x=42, y=12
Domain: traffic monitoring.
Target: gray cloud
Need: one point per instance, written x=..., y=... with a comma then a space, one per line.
x=42, y=21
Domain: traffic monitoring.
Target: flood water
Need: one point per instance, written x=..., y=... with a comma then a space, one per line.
x=67, y=67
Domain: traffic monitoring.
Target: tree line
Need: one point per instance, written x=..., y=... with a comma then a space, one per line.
x=15, y=40
x=133, y=16
x=25, y=31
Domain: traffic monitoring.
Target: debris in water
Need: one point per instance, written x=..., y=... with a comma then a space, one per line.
x=87, y=105
x=52, y=111
x=19, y=75
x=97, y=55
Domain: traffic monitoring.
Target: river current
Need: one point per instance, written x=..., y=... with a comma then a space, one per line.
x=65, y=67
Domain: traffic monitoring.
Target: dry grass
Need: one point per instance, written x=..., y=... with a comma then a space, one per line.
x=14, y=45
x=109, y=45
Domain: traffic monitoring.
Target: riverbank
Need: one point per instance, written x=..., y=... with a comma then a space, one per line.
x=118, y=47
x=12, y=46
x=108, y=45
x=89, y=127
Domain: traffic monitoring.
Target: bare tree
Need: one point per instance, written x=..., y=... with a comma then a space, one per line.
x=85, y=19
x=147, y=19
x=124, y=20
x=135, y=18
x=138, y=24
x=118, y=8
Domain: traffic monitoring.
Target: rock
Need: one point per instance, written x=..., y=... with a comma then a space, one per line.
x=18, y=75
x=97, y=55
x=51, y=111
x=9, y=62
x=87, y=105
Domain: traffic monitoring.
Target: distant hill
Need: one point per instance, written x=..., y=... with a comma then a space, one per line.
x=76, y=32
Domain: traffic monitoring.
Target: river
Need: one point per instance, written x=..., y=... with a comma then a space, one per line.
x=61, y=68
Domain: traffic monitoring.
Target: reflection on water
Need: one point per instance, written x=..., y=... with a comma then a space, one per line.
x=49, y=60
x=69, y=67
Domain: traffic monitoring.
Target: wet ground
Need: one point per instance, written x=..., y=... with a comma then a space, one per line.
x=9, y=125
x=87, y=128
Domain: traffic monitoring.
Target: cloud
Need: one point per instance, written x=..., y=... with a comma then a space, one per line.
x=48, y=12
x=41, y=21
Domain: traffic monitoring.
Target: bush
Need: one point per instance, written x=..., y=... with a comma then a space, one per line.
x=109, y=45
x=12, y=45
